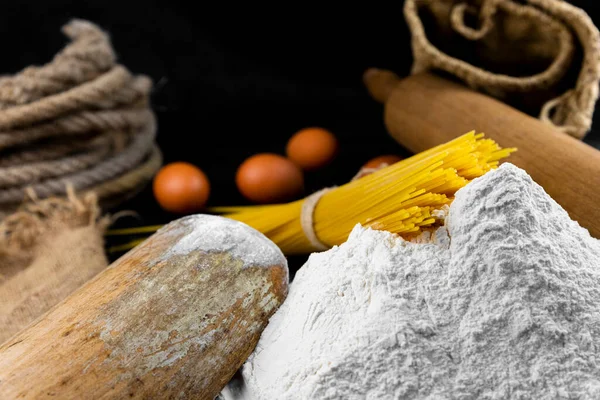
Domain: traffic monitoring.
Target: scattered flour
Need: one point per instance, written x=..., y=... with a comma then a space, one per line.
x=214, y=233
x=504, y=303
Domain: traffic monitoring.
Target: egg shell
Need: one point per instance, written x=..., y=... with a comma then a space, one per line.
x=312, y=148
x=385, y=160
x=269, y=178
x=181, y=188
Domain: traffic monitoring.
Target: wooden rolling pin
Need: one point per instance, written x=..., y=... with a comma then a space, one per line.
x=173, y=318
x=425, y=110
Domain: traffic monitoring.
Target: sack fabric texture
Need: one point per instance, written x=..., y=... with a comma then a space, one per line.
x=540, y=56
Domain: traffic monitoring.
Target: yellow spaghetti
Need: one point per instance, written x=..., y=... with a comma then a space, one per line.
x=400, y=198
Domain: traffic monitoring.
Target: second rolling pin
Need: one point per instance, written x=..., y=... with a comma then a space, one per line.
x=425, y=110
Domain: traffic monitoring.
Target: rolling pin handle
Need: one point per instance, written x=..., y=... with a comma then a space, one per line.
x=380, y=83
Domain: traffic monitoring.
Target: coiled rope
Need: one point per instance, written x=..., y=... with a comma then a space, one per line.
x=80, y=121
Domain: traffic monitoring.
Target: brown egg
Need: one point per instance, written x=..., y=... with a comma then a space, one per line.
x=312, y=148
x=269, y=178
x=181, y=188
x=382, y=161
x=377, y=163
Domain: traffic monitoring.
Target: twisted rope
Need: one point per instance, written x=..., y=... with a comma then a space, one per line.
x=52, y=151
x=88, y=56
x=77, y=124
x=81, y=121
x=36, y=171
x=83, y=179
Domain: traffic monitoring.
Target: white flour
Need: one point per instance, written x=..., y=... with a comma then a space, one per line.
x=215, y=233
x=506, y=305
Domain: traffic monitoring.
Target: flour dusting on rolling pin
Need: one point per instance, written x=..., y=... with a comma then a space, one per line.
x=212, y=234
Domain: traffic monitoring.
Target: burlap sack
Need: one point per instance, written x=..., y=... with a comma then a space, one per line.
x=540, y=56
x=48, y=249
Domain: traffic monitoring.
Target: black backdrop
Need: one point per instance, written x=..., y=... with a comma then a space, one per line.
x=233, y=80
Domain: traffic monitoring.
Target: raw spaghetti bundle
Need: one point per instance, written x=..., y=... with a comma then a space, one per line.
x=401, y=198
x=404, y=198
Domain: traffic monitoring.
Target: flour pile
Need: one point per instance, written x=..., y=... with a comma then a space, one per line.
x=504, y=303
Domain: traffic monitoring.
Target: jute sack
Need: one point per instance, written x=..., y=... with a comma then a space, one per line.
x=48, y=248
x=540, y=56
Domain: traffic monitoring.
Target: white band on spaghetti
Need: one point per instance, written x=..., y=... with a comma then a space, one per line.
x=307, y=220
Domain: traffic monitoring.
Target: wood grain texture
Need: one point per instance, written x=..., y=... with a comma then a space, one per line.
x=425, y=110
x=153, y=325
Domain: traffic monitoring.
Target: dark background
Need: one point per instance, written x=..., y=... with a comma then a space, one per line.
x=233, y=80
